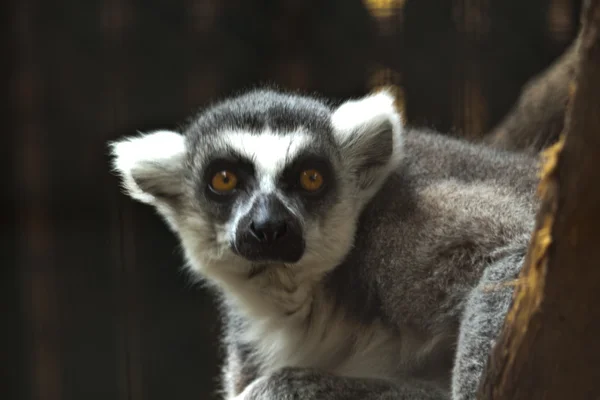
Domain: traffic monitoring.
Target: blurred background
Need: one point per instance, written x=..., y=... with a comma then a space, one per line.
x=95, y=304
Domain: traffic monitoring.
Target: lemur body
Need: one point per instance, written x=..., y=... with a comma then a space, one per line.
x=376, y=284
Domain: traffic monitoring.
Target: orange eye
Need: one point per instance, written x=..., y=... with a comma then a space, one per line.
x=224, y=181
x=311, y=180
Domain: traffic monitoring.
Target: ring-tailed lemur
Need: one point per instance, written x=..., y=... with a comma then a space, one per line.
x=355, y=258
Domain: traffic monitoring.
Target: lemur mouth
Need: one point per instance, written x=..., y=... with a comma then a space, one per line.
x=271, y=254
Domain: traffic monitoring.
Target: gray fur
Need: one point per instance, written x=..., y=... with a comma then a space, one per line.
x=482, y=320
x=386, y=301
x=304, y=383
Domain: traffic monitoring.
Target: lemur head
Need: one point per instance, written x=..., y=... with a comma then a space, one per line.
x=265, y=179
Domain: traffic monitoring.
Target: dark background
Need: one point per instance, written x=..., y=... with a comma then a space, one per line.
x=94, y=302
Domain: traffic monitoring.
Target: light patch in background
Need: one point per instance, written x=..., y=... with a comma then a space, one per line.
x=470, y=109
x=560, y=21
x=389, y=15
x=384, y=78
x=384, y=8
x=472, y=18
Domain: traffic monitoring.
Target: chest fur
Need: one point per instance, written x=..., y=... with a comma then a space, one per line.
x=330, y=340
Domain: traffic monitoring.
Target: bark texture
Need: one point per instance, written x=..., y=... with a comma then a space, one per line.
x=549, y=347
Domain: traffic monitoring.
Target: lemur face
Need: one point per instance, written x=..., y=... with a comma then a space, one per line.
x=265, y=178
x=266, y=189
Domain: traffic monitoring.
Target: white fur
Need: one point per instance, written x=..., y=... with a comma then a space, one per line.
x=365, y=113
x=271, y=152
x=332, y=343
x=147, y=153
x=356, y=122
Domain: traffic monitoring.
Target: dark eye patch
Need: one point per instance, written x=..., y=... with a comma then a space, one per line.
x=290, y=178
x=240, y=166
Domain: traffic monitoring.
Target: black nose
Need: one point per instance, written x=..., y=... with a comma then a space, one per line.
x=268, y=230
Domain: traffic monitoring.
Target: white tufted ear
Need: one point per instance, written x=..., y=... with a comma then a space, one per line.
x=369, y=133
x=150, y=165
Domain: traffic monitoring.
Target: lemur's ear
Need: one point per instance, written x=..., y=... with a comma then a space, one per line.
x=369, y=133
x=150, y=165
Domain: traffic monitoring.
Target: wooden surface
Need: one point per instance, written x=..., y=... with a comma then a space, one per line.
x=549, y=346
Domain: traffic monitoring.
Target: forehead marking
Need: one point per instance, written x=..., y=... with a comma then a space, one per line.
x=270, y=152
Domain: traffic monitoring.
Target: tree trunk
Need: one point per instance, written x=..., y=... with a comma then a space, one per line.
x=549, y=347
